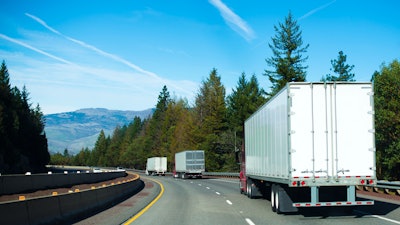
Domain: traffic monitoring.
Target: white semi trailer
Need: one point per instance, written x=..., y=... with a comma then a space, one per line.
x=156, y=166
x=189, y=163
x=310, y=145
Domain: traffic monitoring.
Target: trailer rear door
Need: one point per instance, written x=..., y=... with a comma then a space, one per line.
x=331, y=130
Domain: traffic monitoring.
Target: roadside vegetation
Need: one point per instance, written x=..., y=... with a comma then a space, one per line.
x=23, y=143
x=214, y=122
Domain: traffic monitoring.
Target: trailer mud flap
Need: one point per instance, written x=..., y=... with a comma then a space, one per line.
x=282, y=201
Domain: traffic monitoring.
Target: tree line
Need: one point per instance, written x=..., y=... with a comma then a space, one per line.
x=23, y=143
x=214, y=122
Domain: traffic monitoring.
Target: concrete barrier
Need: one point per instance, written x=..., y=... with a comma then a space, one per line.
x=12, y=184
x=44, y=210
x=64, y=208
x=71, y=204
x=15, y=213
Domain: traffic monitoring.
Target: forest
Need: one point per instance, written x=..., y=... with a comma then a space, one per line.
x=213, y=122
x=23, y=143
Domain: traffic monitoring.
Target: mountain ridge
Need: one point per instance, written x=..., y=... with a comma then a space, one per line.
x=80, y=129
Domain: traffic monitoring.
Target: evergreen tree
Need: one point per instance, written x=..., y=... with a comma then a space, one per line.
x=132, y=132
x=23, y=143
x=244, y=101
x=138, y=151
x=178, y=128
x=211, y=117
x=112, y=154
x=340, y=68
x=157, y=121
x=387, y=120
x=287, y=58
x=98, y=157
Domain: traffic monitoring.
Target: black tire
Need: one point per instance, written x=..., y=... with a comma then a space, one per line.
x=273, y=198
x=278, y=202
x=250, y=189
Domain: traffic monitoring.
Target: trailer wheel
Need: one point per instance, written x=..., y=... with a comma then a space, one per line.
x=250, y=189
x=273, y=198
x=277, y=201
x=249, y=195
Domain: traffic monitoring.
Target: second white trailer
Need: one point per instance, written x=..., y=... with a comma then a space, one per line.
x=190, y=163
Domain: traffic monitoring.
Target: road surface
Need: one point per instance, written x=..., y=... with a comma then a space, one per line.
x=218, y=201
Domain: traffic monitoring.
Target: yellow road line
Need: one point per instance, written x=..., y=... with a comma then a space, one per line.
x=148, y=206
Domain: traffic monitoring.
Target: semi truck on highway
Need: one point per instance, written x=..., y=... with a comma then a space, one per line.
x=189, y=164
x=310, y=146
x=156, y=166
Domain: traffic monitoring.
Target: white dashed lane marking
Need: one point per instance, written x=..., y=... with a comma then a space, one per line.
x=249, y=221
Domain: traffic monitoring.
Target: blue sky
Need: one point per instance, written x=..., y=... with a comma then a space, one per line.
x=74, y=54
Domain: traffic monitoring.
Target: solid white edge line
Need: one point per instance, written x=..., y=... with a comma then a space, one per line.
x=387, y=219
x=378, y=217
x=249, y=221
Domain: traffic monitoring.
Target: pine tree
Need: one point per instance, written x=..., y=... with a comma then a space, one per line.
x=245, y=99
x=287, y=58
x=157, y=121
x=23, y=143
x=98, y=157
x=340, y=68
x=211, y=117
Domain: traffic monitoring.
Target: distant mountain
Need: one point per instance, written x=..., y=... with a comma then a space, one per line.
x=80, y=129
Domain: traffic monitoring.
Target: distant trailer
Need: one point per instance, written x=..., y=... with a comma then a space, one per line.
x=190, y=163
x=156, y=166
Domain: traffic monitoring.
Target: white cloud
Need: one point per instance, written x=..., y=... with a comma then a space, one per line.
x=234, y=21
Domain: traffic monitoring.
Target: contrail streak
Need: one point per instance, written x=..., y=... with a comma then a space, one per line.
x=34, y=49
x=316, y=10
x=233, y=20
x=109, y=55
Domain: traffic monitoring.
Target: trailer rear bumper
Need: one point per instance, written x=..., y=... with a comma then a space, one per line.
x=323, y=204
x=350, y=200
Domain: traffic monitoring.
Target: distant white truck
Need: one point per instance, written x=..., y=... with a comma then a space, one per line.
x=156, y=166
x=189, y=163
x=310, y=145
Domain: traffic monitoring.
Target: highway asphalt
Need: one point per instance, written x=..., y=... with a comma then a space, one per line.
x=218, y=201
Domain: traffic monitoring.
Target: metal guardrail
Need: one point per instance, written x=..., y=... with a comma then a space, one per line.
x=394, y=185
x=221, y=174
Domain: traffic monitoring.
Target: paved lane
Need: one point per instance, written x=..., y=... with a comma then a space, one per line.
x=189, y=202
x=217, y=201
